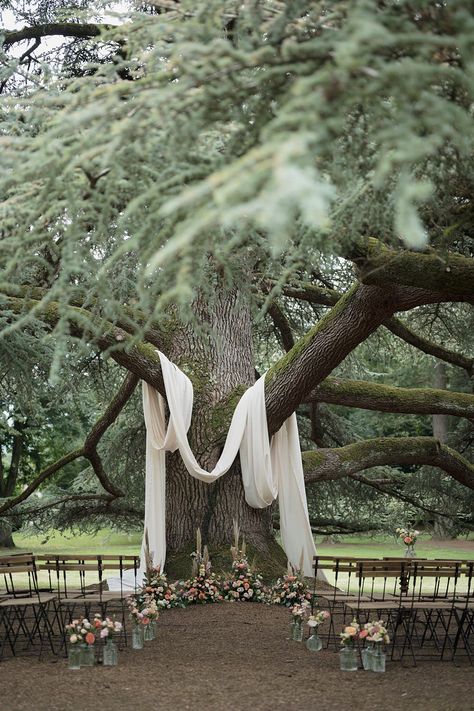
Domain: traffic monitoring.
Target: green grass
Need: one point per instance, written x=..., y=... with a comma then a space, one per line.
x=105, y=541
x=108, y=541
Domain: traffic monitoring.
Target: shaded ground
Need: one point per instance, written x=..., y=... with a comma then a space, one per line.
x=230, y=657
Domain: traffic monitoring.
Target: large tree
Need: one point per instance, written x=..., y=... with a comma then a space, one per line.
x=208, y=163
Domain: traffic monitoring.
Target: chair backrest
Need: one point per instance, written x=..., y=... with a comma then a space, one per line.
x=435, y=579
x=87, y=570
x=17, y=570
x=380, y=578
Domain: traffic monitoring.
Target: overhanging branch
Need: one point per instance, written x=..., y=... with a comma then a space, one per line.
x=337, y=463
x=387, y=398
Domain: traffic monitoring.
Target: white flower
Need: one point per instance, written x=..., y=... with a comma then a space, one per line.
x=73, y=639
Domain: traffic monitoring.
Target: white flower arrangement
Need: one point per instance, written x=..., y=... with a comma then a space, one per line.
x=317, y=618
x=377, y=632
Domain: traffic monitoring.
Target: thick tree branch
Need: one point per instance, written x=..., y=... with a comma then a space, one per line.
x=330, y=464
x=53, y=29
x=387, y=398
x=139, y=358
x=451, y=276
x=356, y=315
x=329, y=297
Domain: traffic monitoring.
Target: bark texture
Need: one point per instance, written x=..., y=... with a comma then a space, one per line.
x=219, y=360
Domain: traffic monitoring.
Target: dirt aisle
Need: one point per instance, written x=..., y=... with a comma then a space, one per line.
x=230, y=657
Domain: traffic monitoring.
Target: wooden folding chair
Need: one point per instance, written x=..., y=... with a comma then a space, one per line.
x=24, y=615
x=464, y=615
x=432, y=608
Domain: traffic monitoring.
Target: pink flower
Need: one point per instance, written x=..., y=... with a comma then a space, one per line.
x=104, y=632
x=363, y=634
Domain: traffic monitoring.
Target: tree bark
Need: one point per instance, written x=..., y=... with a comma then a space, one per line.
x=6, y=539
x=218, y=363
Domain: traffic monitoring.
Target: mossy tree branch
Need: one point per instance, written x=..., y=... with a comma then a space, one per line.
x=329, y=297
x=387, y=398
x=450, y=275
x=337, y=463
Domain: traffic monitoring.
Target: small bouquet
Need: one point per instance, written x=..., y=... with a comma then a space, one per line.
x=107, y=628
x=299, y=611
x=376, y=632
x=408, y=535
x=350, y=633
x=290, y=589
x=80, y=631
x=134, y=611
x=149, y=609
x=317, y=618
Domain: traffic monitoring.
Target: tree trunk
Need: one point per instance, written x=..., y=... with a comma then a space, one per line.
x=218, y=358
x=6, y=540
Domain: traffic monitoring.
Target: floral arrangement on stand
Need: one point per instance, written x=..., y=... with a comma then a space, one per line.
x=290, y=589
x=244, y=584
x=204, y=586
x=408, y=536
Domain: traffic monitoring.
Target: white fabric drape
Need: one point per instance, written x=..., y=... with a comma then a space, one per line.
x=270, y=469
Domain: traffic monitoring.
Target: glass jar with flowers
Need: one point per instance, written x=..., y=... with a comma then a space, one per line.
x=150, y=615
x=109, y=629
x=408, y=536
x=314, y=643
x=81, y=643
x=296, y=627
x=348, y=657
x=136, y=617
x=377, y=636
x=73, y=631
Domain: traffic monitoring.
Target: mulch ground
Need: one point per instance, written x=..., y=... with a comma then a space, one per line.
x=230, y=656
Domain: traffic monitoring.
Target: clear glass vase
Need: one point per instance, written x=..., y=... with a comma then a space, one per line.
x=110, y=657
x=74, y=656
x=378, y=660
x=137, y=637
x=348, y=659
x=313, y=643
x=296, y=630
x=149, y=631
x=87, y=655
x=410, y=552
x=366, y=655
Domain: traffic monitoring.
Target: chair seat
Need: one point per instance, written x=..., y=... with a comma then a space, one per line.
x=28, y=601
x=352, y=598
x=426, y=605
x=374, y=605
